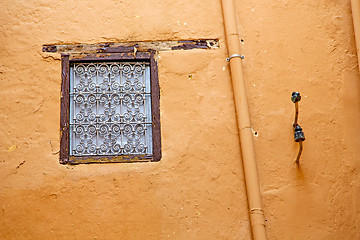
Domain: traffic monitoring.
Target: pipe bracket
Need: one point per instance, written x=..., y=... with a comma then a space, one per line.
x=234, y=56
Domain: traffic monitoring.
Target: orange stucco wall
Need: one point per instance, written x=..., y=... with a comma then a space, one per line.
x=197, y=190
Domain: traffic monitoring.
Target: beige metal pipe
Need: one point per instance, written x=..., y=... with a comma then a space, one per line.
x=355, y=7
x=257, y=219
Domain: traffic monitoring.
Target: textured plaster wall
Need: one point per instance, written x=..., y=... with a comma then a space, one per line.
x=305, y=46
x=197, y=190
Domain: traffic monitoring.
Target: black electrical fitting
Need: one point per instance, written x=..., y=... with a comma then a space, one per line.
x=299, y=135
x=295, y=97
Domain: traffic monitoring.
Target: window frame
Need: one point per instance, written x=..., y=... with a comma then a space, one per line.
x=66, y=60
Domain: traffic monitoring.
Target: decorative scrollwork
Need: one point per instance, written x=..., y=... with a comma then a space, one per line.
x=86, y=134
x=109, y=112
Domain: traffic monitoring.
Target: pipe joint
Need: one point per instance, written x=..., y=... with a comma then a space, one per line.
x=242, y=128
x=256, y=211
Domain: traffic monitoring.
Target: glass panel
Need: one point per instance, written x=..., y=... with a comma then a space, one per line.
x=110, y=109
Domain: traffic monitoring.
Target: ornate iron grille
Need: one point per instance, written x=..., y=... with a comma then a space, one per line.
x=110, y=109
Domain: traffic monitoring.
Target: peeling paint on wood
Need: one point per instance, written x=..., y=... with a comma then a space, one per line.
x=132, y=46
x=108, y=56
x=64, y=114
x=110, y=159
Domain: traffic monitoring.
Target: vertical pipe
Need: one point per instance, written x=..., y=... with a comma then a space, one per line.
x=355, y=8
x=243, y=120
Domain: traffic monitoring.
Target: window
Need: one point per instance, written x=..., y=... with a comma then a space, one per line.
x=109, y=108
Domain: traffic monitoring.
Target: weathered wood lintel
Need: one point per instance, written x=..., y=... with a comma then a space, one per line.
x=110, y=159
x=79, y=57
x=132, y=46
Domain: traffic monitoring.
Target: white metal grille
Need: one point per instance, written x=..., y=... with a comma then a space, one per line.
x=110, y=109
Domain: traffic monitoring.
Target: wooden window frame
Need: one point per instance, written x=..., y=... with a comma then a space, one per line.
x=66, y=60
